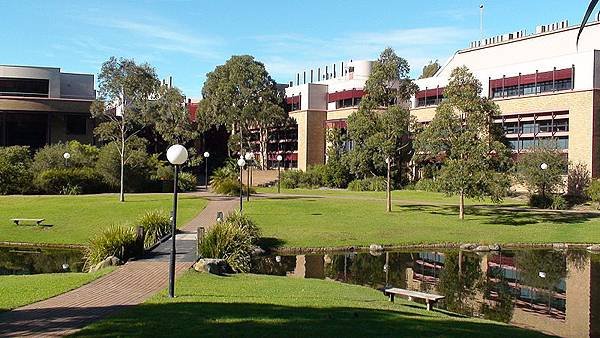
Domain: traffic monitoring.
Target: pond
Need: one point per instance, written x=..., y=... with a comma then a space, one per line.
x=33, y=260
x=556, y=292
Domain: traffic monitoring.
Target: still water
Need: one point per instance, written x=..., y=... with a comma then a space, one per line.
x=556, y=292
x=27, y=261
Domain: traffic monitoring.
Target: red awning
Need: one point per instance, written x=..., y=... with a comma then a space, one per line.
x=434, y=92
x=346, y=94
x=336, y=124
x=292, y=99
x=559, y=74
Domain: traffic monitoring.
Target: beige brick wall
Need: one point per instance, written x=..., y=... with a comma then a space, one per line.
x=311, y=137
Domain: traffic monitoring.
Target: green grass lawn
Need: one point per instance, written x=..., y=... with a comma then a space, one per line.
x=19, y=290
x=269, y=306
x=345, y=220
x=397, y=195
x=74, y=219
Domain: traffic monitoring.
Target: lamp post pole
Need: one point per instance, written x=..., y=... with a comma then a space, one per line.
x=66, y=156
x=177, y=155
x=249, y=157
x=544, y=166
x=241, y=163
x=279, y=158
x=206, y=155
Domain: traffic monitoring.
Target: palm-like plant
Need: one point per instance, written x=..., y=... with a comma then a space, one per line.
x=586, y=17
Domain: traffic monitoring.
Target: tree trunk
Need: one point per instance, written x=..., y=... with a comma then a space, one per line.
x=388, y=185
x=263, y=144
x=122, y=179
x=461, y=209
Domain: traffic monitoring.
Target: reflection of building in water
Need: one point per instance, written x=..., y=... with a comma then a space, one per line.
x=309, y=266
x=569, y=308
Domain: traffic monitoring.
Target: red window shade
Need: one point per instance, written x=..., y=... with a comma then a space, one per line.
x=430, y=93
x=528, y=78
x=563, y=74
x=511, y=81
x=559, y=74
x=346, y=94
x=337, y=124
x=292, y=100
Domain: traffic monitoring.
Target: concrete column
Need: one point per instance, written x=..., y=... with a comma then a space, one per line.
x=311, y=137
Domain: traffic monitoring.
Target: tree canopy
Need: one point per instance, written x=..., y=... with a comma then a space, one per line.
x=430, y=69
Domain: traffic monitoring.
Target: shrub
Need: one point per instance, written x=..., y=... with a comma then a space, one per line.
x=578, y=180
x=118, y=241
x=15, y=174
x=375, y=183
x=224, y=181
x=537, y=180
x=156, y=224
x=559, y=203
x=51, y=156
x=187, y=182
x=427, y=184
x=540, y=201
x=290, y=179
x=232, y=240
x=593, y=192
x=64, y=181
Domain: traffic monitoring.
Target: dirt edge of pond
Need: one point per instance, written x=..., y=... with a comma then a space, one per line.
x=43, y=245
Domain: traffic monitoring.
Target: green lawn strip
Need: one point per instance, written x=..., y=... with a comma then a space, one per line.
x=401, y=196
x=19, y=290
x=336, y=222
x=269, y=306
x=75, y=219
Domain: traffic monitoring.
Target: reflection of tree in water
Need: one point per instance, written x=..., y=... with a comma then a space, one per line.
x=502, y=306
x=14, y=260
x=542, y=270
x=578, y=258
x=366, y=269
x=268, y=265
x=459, y=282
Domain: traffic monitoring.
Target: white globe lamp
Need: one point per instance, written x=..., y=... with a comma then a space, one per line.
x=544, y=166
x=177, y=154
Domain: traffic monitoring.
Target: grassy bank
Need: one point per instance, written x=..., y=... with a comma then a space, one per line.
x=351, y=219
x=259, y=306
x=74, y=219
x=21, y=290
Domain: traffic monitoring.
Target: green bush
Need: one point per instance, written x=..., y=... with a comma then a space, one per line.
x=64, y=181
x=118, y=241
x=243, y=222
x=15, y=174
x=375, y=183
x=559, y=203
x=156, y=225
x=540, y=201
x=593, y=192
x=187, y=182
x=427, y=184
x=51, y=156
x=290, y=179
x=230, y=242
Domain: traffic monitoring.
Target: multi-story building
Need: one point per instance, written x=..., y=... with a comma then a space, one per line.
x=42, y=105
x=547, y=88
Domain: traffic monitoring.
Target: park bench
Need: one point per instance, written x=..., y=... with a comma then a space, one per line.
x=37, y=221
x=429, y=298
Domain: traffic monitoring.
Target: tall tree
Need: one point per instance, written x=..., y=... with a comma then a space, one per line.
x=242, y=96
x=125, y=90
x=430, y=69
x=170, y=116
x=464, y=137
x=380, y=129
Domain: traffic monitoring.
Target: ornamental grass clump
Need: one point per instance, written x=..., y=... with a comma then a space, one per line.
x=116, y=240
x=156, y=225
x=232, y=240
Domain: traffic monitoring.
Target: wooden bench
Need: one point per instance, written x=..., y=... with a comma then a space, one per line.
x=429, y=298
x=37, y=221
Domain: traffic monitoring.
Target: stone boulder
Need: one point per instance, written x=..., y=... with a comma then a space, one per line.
x=215, y=266
x=594, y=248
x=468, y=246
x=494, y=247
x=108, y=261
x=482, y=248
x=375, y=249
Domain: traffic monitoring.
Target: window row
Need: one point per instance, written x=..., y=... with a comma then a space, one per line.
x=534, y=127
x=529, y=89
x=350, y=102
x=528, y=143
x=24, y=87
x=429, y=101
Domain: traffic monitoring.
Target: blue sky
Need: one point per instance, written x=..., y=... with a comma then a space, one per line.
x=187, y=39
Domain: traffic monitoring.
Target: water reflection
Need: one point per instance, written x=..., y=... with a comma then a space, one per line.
x=556, y=292
x=26, y=261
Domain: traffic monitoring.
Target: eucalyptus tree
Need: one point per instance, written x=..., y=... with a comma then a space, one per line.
x=380, y=128
x=463, y=137
x=242, y=96
x=125, y=92
x=171, y=118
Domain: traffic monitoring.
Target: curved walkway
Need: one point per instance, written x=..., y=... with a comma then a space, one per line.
x=129, y=285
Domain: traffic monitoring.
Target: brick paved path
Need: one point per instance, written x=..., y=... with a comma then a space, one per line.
x=129, y=285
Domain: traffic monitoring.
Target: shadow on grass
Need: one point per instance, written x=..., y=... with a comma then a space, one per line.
x=270, y=243
x=305, y=198
x=504, y=215
x=188, y=319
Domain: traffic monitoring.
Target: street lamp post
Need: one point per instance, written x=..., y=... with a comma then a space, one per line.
x=241, y=163
x=544, y=166
x=206, y=156
x=177, y=155
x=66, y=156
x=249, y=157
x=388, y=195
x=279, y=158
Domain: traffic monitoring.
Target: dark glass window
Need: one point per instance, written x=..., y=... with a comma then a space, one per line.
x=76, y=124
x=24, y=87
x=528, y=89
